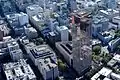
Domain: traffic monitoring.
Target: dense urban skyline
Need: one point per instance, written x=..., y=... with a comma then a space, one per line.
x=59, y=39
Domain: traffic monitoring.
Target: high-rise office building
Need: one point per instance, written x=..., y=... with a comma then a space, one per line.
x=81, y=45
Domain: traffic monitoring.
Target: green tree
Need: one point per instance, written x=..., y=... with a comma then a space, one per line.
x=95, y=57
x=118, y=48
x=97, y=49
x=61, y=65
x=40, y=40
x=117, y=33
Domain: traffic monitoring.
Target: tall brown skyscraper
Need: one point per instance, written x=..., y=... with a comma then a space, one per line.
x=81, y=45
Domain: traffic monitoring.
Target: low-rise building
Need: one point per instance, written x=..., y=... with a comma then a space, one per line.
x=48, y=68
x=38, y=21
x=41, y=51
x=113, y=25
x=64, y=32
x=53, y=23
x=113, y=44
x=114, y=62
x=7, y=7
x=109, y=13
x=13, y=46
x=99, y=24
x=63, y=19
x=30, y=32
x=72, y=5
x=20, y=18
x=16, y=54
x=34, y=10
x=53, y=37
x=95, y=42
x=45, y=31
x=22, y=4
x=38, y=54
x=65, y=48
x=102, y=74
x=18, y=71
x=106, y=36
x=9, y=46
x=4, y=28
x=106, y=74
x=17, y=21
x=5, y=40
x=116, y=19
x=4, y=52
x=15, y=51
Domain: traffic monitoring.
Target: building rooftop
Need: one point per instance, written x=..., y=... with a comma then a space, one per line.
x=114, y=41
x=104, y=72
x=98, y=19
x=66, y=46
x=117, y=57
x=109, y=11
x=47, y=64
x=34, y=7
x=6, y=40
x=14, y=15
x=42, y=51
x=61, y=28
x=18, y=70
x=12, y=44
x=38, y=17
x=109, y=33
x=112, y=62
x=2, y=21
x=29, y=45
x=95, y=42
x=16, y=51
